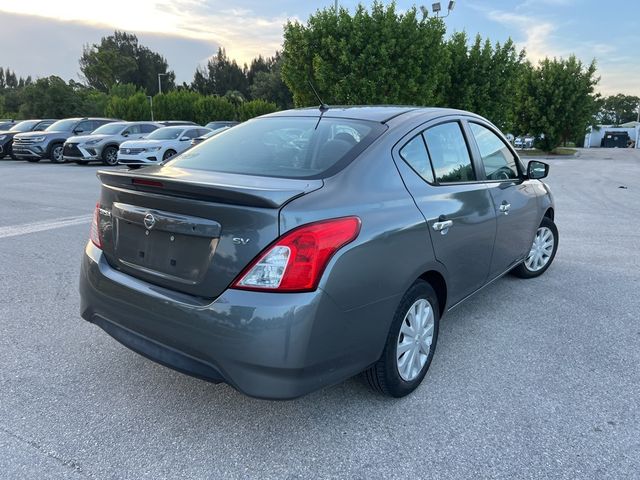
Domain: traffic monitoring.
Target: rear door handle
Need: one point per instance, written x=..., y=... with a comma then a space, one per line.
x=443, y=226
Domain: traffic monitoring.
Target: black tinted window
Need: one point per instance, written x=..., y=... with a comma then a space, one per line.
x=499, y=163
x=147, y=128
x=415, y=154
x=295, y=147
x=449, y=153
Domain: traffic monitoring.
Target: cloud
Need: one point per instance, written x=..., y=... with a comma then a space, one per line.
x=244, y=31
x=535, y=33
x=53, y=47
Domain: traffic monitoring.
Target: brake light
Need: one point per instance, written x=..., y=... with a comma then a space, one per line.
x=146, y=183
x=296, y=261
x=94, y=233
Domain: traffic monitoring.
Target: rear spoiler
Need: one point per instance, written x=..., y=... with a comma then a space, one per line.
x=253, y=191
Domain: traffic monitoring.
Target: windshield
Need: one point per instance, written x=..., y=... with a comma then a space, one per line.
x=166, y=133
x=25, y=126
x=62, y=126
x=291, y=147
x=110, y=129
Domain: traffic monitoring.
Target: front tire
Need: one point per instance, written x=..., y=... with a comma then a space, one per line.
x=543, y=251
x=56, y=153
x=410, y=344
x=110, y=156
x=168, y=154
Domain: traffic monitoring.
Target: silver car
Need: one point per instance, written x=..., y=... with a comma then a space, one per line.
x=103, y=143
x=307, y=246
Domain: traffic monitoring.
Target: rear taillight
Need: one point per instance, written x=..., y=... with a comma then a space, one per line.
x=95, y=230
x=296, y=261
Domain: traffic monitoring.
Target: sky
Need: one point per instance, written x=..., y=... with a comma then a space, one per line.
x=45, y=37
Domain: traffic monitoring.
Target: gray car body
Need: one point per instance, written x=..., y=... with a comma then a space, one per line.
x=283, y=345
x=93, y=152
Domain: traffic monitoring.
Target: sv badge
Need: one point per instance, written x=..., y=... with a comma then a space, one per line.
x=240, y=241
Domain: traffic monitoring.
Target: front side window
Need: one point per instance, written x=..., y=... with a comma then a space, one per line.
x=449, y=153
x=110, y=129
x=290, y=147
x=193, y=133
x=133, y=129
x=415, y=155
x=499, y=163
x=166, y=133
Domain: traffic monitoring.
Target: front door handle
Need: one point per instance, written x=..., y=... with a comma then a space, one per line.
x=504, y=208
x=443, y=226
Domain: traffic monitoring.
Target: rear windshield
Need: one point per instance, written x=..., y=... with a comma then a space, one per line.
x=291, y=147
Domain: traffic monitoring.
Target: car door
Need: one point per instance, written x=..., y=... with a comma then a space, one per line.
x=438, y=170
x=186, y=137
x=514, y=198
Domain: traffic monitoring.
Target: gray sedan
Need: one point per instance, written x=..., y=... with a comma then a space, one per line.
x=307, y=246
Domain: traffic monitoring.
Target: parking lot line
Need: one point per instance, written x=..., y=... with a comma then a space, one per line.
x=16, y=230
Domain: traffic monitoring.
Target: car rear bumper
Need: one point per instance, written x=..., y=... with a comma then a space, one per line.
x=267, y=345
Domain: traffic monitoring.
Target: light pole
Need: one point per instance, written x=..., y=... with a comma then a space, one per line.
x=437, y=8
x=159, y=82
x=151, y=105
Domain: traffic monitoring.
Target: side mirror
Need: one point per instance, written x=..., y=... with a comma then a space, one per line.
x=78, y=131
x=537, y=170
x=125, y=134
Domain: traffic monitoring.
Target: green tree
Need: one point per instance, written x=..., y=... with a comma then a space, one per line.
x=377, y=56
x=209, y=108
x=220, y=76
x=119, y=58
x=49, y=97
x=617, y=109
x=176, y=105
x=268, y=85
x=556, y=100
x=255, y=108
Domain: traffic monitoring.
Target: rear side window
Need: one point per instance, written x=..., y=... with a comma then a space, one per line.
x=499, y=163
x=290, y=147
x=147, y=128
x=449, y=153
x=416, y=156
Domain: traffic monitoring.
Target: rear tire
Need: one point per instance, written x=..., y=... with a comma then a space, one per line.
x=55, y=153
x=110, y=156
x=390, y=375
x=80, y=162
x=529, y=268
x=33, y=160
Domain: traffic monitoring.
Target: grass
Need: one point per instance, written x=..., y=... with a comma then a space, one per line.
x=560, y=151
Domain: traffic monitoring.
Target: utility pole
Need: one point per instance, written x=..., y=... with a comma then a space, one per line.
x=337, y=6
x=160, y=83
x=151, y=105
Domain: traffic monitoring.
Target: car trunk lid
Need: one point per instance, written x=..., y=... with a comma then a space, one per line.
x=190, y=231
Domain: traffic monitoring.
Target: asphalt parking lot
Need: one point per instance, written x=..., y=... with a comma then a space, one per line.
x=531, y=379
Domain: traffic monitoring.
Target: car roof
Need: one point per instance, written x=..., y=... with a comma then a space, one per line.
x=376, y=113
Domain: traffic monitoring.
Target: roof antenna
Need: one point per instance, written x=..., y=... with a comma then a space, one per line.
x=323, y=106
